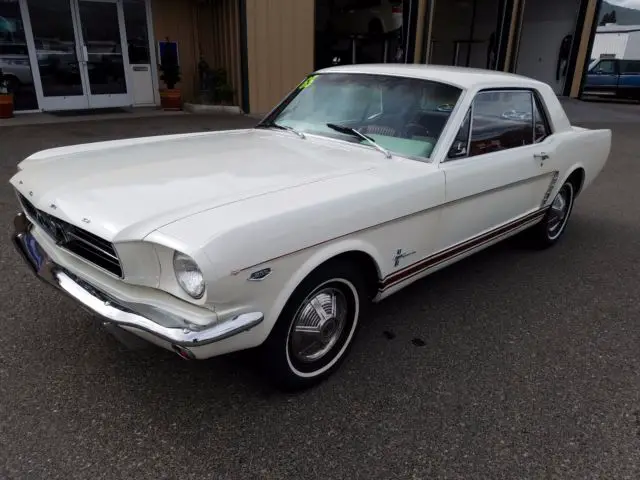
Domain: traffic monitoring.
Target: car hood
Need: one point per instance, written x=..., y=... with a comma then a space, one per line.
x=123, y=190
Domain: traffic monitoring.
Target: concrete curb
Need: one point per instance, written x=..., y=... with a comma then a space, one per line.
x=200, y=108
x=44, y=118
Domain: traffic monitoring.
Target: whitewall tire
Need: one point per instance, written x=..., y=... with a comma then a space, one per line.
x=553, y=225
x=316, y=328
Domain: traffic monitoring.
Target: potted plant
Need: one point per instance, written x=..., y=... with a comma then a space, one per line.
x=221, y=92
x=6, y=97
x=170, y=97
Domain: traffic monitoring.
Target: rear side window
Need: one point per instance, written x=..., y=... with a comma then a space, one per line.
x=630, y=66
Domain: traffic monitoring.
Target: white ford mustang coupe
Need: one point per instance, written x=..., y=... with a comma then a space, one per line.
x=364, y=179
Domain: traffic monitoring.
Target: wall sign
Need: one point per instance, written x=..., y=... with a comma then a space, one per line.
x=168, y=48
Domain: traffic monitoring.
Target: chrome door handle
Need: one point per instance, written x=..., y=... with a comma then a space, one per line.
x=541, y=156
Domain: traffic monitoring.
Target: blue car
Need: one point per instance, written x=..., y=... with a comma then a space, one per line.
x=612, y=77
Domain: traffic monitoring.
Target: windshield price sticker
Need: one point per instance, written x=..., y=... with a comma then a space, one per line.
x=308, y=81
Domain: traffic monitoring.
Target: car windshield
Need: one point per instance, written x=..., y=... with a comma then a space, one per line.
x=405, y=116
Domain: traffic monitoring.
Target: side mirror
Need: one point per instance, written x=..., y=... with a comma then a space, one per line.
x=458, y=149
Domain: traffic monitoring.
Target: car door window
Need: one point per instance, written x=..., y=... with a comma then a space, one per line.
x=630, y=67
x=460, y=146
x=606, y=67
x=501, y=120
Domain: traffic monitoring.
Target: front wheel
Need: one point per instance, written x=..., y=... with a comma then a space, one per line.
x=549, y=231
x=316, y=327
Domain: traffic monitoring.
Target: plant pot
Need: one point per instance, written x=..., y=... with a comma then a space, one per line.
x=171, y=99
x=6, y=105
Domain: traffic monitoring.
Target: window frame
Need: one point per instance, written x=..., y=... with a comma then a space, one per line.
x=596, y=70
x=625, y=70
x=440, y=143
x=536, y=99
x=538, y=103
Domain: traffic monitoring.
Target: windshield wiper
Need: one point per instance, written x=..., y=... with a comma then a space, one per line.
x=356, y=133
x=282, y=127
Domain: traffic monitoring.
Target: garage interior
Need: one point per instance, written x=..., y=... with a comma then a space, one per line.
x=360, y=31
x=463, y=33
x=546, y=40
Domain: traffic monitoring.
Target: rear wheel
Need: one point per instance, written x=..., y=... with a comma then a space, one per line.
x=316, y=327
x=549, y=231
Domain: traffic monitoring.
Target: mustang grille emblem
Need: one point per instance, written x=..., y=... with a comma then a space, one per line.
x=53, y=227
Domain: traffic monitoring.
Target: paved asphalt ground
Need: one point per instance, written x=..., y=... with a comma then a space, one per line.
x=512, y=364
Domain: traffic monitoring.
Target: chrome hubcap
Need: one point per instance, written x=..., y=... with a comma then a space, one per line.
x=318, y=324
x=558, y=213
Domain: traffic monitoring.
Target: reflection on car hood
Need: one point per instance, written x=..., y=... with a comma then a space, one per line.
x=126, y=189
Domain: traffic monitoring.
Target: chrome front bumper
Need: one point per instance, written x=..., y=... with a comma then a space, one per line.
x=117, y=313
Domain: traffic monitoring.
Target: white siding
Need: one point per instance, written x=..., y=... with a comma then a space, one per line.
x=610, y=44
x=633, y=46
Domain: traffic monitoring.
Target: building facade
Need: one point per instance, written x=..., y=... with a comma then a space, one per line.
x=617, y=41
x=85, y=54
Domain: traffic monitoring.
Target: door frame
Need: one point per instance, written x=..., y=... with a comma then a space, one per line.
x=86, y=99
x=106, y=100
x=68, y=102
x=153, y=54
x=522, y=155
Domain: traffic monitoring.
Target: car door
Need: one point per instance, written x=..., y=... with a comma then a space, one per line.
x=602, y=78
x=629, y=80
x=493, y=170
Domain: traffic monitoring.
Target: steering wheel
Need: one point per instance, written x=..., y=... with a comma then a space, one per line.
x=413, y=129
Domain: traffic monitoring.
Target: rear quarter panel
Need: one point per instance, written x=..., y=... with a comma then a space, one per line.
x=581, y=148
x=577, y=147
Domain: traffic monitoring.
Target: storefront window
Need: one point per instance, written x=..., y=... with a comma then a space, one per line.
x=14, y=56
x=135, y=20
x=54, y=37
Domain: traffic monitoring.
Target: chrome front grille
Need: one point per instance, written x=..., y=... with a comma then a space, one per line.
x=76, y=240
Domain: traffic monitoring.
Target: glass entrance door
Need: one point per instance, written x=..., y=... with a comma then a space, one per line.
x=58, y=79
x=102, y=28
x=80, y=55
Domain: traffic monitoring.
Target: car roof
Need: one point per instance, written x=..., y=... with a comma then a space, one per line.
x=462, y=77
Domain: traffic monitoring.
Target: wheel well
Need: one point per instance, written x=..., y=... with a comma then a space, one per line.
x=367, y=266
x=577, y=180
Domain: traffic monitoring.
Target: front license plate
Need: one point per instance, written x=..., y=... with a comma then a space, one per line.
x=33, y=251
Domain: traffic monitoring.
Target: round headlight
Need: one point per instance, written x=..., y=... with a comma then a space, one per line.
x=188, y=274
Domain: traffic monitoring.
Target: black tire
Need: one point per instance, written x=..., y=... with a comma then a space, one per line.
x=278, y=358
x=543, y=235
